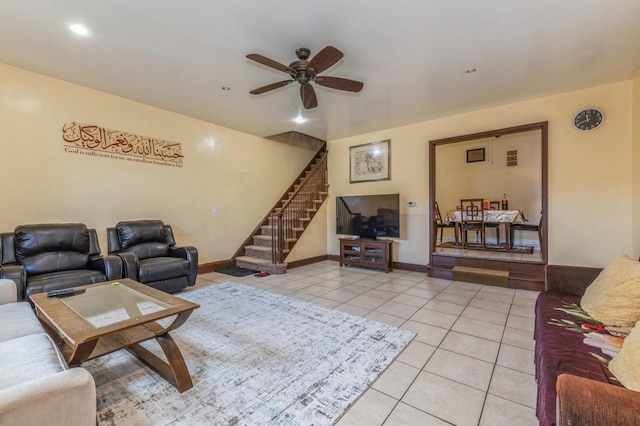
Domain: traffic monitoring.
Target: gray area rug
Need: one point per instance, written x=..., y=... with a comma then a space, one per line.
x=256, y=358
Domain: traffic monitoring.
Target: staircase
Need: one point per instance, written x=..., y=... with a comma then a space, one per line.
x=279, y=231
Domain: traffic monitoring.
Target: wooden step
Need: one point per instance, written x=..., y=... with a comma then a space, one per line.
x=262, y=265
x=521, y=275
x=493, y=277
x=258, y=252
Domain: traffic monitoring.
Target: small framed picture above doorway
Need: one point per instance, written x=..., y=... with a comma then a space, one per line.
x=475, y=155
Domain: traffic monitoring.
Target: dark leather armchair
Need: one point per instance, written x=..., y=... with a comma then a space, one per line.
x=377, y=223
x=361, y=224
x=44, y=257
x=150, y=256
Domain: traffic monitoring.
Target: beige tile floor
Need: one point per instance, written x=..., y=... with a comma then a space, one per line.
x=471, y=362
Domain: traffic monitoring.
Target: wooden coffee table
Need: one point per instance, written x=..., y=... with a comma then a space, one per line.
x=118, y=315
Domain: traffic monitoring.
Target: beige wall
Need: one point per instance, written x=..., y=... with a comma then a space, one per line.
x=594, y=178
x=313, y=241
x=492, y=179
x=590, y=174
x=635, y=129
x=223, y=167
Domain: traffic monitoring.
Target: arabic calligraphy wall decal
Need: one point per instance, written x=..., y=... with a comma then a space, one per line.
x=121, y=145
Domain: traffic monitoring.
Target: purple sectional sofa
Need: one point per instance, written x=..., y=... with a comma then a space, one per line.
x=574, y=386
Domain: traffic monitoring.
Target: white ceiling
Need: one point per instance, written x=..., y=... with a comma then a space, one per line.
x=410, y=54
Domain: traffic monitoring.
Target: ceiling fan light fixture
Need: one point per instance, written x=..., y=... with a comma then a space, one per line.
x=305, y=72
x=79, y=29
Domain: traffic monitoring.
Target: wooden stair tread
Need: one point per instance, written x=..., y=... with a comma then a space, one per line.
x=481, y=271
x=257, y=248
x=527, y=277
x=253, y=260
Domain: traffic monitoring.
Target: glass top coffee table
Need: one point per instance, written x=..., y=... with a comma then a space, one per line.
x=116, y=315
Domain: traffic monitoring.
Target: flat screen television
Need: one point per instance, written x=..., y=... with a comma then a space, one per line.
x=368, y=216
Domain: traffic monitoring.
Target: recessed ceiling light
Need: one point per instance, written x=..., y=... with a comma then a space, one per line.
x=471, y=70
x=226, y=89
x=79, y=29
x=299, y=119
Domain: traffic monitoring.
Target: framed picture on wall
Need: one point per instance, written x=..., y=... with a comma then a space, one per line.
x=370, y=162
x=475, y=155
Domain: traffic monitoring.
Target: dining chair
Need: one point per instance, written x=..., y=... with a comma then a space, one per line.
x=440, y=224
x=494, y=205
x=526, y=227
x=472, y=219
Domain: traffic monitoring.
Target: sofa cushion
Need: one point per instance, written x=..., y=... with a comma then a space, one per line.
x=135, y=232
x=17, y=320
x=626, y=365
x=147, y=250
x=560, y=349
x=44, y=248
x=162, y=268
x=65, y=279
x=613, y=298
x=28, y=358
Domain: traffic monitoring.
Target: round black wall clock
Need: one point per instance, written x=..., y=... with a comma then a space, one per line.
x=588, y=119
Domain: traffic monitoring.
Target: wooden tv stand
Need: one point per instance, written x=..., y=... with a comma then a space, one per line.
x=375, y=254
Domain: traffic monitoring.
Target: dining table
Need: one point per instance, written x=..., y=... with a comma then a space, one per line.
x=504, y=217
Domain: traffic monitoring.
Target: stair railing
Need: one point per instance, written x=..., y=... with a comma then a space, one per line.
x=344, y=217
x=290, y=219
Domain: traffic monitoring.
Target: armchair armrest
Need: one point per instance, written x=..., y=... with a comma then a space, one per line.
x=64, y=398
x=191, y=255
x=588, y=402
x=570, y=279
x=110, y=266
x=8, y=292
x=18, y=275
x=130, y=264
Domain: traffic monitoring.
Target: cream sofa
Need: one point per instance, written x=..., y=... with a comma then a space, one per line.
x=36, y=385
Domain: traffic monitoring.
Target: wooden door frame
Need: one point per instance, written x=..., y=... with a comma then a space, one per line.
x=542, y=126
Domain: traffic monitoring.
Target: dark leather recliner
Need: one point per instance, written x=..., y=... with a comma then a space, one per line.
x=377, y=223
x=150, y=256
x=44, y=257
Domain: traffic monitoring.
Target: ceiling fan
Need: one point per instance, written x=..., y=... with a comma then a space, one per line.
x=304, y=72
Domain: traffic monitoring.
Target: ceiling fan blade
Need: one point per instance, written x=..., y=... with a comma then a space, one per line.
x=308, y=95
x=340, y=83
x=325, y=59
x=270, y=63
x=271, y=86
